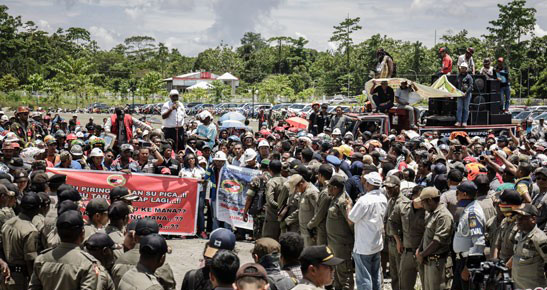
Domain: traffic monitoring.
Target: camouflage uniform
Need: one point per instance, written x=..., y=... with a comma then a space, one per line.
x=258, y=186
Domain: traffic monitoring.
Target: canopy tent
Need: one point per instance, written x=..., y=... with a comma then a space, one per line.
x=201, y=85
x=442, y=88
x=231, y=80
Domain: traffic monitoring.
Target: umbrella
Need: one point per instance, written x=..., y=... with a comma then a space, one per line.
x=237, y=116
x=232, y=124
x=298, y=122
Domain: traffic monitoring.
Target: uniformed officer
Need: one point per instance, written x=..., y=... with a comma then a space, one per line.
x=254, y=204
x=469, y=239
x=39, y=220
x=54, y=183
x=21, y=241
x=407, y=223
x=97, y=211
x=21, y=125
x=152, y=250
x=528, y=262
x=66, y=266
x=392, y=185
x=274, y=186
x=509, y=200
x=118, y=214
x=317, y=264
x=7, y=202
x=129, y=259
x=102, y=247
x=319, y=220
x=436, y=241
x=306, y=208
x=340, y=232
x=288, y=215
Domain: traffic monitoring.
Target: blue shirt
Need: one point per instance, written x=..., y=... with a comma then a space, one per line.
x=469, y=235
x=209, y=132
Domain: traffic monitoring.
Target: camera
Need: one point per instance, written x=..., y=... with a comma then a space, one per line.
x=490, y=275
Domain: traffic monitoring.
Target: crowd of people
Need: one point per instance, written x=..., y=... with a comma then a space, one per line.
x=333, y=207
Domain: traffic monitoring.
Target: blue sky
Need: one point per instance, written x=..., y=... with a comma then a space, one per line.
x=193, y=25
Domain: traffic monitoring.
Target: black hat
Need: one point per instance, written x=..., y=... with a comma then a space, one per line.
x=502, y=138
x=120, y=192
x=542, y=171
x=70, y=219
x=468, y=187
x=337, y=181
x=118, y=210
x=57, y=178
x=527, y=210
x=15, y=163
x=100, y=240
x=66, y=205
x=39, y=178
x=97, y=205
x=153, y=244
x=220, y=239
x=146, y=226
x=315, y=255
x=511, y=196
x=69, y=194
x=252, y=270
x=30, y=200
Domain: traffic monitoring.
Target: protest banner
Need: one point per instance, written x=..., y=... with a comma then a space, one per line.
x=170, y=200
x=232, y=193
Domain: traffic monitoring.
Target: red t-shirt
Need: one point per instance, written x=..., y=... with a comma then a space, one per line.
x=447, y=64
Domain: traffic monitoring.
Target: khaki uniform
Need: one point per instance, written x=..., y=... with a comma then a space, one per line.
x=51, y=216
x=90, y=229
x=306, y=285
x=409, y=224
x=306, y=211
x=5, y=214
x=53, y=239
x=117, y=236
x=506, y=239
x=340, y=238
x=319, y=220
x=38, y=221
x=492, y=232
x=529, y=260
x=487, y=206
x=258, y=184
x=271, y=227
x=290, y=223
x=21, y=243
x=394, y=257
x=129, y=259
x=139, y=277
x=438, y=227
x=66, y=267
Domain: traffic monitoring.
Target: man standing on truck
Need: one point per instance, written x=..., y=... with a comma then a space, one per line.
x=446, y=67
x=465, y=84
x=402, y=98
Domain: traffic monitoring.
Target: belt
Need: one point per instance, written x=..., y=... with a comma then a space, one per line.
x=409, y=250
x=462, y=255
x=434, y=258
x=19, y=269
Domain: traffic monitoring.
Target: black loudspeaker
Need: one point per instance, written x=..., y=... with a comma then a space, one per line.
x=479, y=117
x=493, y=85
x=442, y=106
x=478, y=103
x=479, y=84
x=500, y=118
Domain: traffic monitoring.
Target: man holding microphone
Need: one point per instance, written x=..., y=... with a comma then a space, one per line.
x=173, y=113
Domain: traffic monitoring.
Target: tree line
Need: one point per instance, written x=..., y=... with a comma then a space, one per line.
x=70, y=63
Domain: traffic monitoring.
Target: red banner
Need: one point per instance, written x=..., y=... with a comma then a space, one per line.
x=170, y=200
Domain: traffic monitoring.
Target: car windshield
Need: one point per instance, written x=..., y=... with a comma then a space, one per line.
x=541, y=116
x=523, y=115
x=297, y=106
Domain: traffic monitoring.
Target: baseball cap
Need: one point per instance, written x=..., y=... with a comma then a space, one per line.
x=70, y=219
x=252, y=270
x=337, y=181
x=468, y=187
x=15, y=163
x=99, y=241
x=315, y=255
x=96, y=152
x=464, y=64
x=527, y=210
x=126, y=147
x=263, y=143
x=174, y=92
x=331, y=159
x=428, y=192
x=294, y=180
x=249, y=155
x=69, y=194
x=120, y=192
x=153, y=244
x=97, y=205
x=220, y=239
x=39, y=178
x=392, y=181
x=66, y=205
x=220, y=156
x=510, y=196
x=374, y=178
x=146, y=226
x=30, y=200
x=118, y=210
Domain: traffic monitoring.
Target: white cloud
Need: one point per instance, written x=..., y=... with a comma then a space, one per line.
x=298, y=34
x=44, y=25
x=106, y=39
x=539, y=31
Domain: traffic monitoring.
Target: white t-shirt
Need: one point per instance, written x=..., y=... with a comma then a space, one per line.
x=175, y=119
x=470, y=63
x=368, y=216
x=402, y=96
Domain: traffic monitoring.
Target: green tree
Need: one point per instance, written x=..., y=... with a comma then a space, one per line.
x=220, y=92
x=342, y=35
x=151, y=85
x=8, y=83
x=275, y=87
x=35, y=83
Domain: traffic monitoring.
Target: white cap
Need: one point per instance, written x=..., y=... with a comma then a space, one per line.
x=374, y=178
x=249, y=155
x=202, y=159
x=263, y=143
x=80, y=134
x=174, y=92
x=203, y=115
x=464, y=64
x=220, y=156
x=96, y=152
x=336, y=131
